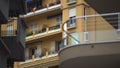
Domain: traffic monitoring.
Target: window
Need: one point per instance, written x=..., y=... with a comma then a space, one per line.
x=72, y=22
x=34, y=28
x=31, y=52
x=72, y=16
x=10, y=31
x=52, y=47
x=71, y=1
x=58, y=46
x=58, y=20
x=34, y=51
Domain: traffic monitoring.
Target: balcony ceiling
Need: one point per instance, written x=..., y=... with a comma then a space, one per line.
x=105, y=6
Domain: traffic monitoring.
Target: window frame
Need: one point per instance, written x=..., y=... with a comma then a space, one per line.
x=34, y=27
x=72, y=20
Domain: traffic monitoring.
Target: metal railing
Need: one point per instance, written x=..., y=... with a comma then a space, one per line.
x=46, y=54
x=71, y=23
x=54, y=27
x=43, y=30
x=94, y=29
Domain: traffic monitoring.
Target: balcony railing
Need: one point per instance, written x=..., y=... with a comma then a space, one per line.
x=44, y=31
x=95, y=29
x=71, y=23
x=41, y=56
x=54, y=27
x=37, y=5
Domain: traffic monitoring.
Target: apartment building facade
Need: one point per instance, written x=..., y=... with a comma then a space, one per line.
x=55, y=24
x=96, y=44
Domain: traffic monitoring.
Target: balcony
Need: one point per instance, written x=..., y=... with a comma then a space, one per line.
x=44, y=58
x=48, y=31
x=13, y=37
x=97, y=46
x=41, y=8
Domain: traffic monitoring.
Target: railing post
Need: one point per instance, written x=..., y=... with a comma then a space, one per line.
x=60, y=27
x=46, y=54
x=47, y=29
x=33, y=57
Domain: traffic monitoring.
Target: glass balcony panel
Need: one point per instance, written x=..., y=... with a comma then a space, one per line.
x=98, y=28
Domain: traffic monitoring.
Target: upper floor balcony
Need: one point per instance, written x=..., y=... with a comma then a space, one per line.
x=96, y=39
x=36, y=7
x=13, y=37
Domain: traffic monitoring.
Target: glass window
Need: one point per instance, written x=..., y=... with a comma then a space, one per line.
x=33, y=51
x=34, y=28
x=72, y=22
x=52, y=47
x=58, y=20
x=10, y=31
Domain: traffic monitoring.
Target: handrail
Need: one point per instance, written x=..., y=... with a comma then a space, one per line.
x=68, y=32
x=89, y=16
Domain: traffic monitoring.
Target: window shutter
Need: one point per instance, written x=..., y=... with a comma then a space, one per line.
x=72, y=12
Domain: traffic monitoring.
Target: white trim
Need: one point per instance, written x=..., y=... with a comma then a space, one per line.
x=29, y=37
x=95, y=15
x=42, y=11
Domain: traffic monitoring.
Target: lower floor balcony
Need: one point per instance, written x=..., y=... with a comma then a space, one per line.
x=47, y=60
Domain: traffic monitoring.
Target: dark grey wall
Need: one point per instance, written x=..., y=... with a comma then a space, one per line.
x=21, y=32
x=4, y=11
x=3, y=57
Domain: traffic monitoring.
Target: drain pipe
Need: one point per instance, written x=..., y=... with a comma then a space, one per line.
x=85, y=30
